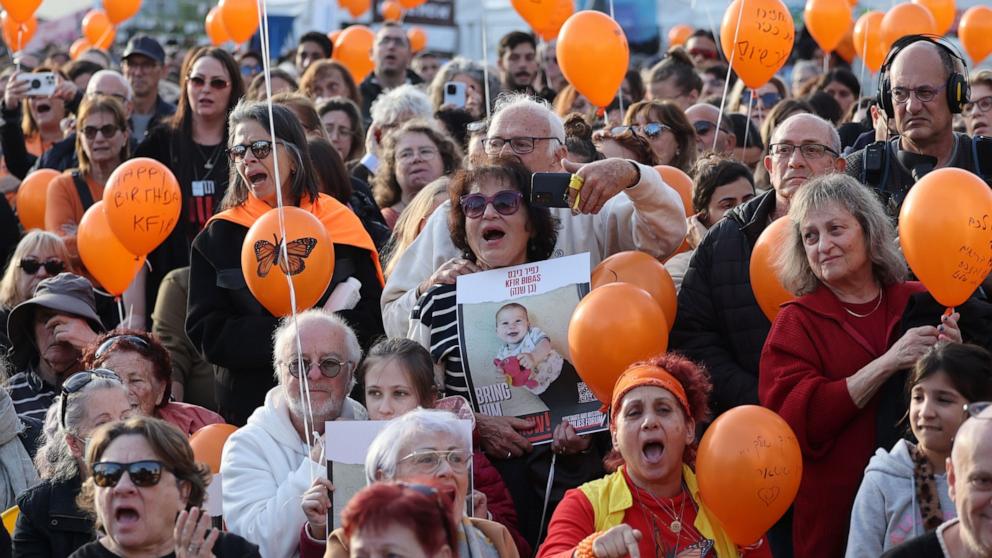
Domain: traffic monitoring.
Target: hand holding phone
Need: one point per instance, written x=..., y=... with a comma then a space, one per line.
x=40, y=84
x=550, y=189
x=454, y=94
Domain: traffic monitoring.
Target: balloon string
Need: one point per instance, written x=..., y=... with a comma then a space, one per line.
x=826, y=62
x=281, y=213
x=747, y=125
x=864, y=54
x=485, y=62
x=620, y=90
x=106, y=33
x=730, y=66
x=120, y=309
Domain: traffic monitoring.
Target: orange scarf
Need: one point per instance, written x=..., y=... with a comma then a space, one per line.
x=341, y=223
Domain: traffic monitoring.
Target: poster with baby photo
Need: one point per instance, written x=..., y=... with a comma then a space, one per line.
x=513, y=333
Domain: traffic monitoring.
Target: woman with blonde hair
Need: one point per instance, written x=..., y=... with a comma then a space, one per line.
x=666, y=129
x=413, y=219
x=39, y=255
x=328, y=78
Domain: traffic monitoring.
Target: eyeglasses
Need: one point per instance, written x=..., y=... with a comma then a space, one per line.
x=477, y=127
x=107, y=130
x=329, y=367
x=707, y=54
x=132, y=339
x=260, y=149
x=506, y=202
x=79, y=380
x=704, y=127
x=651, y=130
x=429, y=461
x=923, y=94
x=768, y=100
x=336, y=130
x=106, y=474
x=810, y=151
x=424, y=153
x=975, y=409
x=984, y=105
x=52, y=267
x=520, y=145
x=215, y=83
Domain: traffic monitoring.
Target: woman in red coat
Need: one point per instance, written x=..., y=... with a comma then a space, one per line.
x=832, y=348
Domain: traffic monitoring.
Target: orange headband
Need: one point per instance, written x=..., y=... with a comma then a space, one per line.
x=647, y=375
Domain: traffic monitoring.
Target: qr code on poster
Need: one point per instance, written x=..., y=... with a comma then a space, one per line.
x=585, y=394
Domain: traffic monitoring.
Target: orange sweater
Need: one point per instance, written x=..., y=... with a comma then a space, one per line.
x=64, y=209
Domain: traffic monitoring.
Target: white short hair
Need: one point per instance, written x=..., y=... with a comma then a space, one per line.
x=518, y=101
x=384, y=453
x=284, y=338
x=95, y=78
x=406, y=102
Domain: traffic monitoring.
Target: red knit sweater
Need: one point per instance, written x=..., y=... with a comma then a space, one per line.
x=810, y=352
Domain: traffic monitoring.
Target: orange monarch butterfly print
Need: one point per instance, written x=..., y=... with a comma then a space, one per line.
x=268, y=254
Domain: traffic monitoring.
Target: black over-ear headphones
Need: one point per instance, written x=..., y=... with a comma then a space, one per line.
x=958, y=90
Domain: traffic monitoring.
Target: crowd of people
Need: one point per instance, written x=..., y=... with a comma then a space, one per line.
x=886, y=393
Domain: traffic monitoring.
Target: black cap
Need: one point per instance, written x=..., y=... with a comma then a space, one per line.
x=145, y=46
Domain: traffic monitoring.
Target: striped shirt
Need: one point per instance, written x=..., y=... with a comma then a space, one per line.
x=31, y=396
x=437, y=311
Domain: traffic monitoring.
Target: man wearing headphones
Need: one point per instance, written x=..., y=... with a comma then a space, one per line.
x=921, y=86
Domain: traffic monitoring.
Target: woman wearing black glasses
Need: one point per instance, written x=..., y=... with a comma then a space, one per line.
x=145, y=493
x=231, y=328
x=50, y=524
x=38, y=255
x=192, y=146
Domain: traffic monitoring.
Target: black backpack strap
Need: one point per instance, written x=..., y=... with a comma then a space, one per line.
x=83, y=189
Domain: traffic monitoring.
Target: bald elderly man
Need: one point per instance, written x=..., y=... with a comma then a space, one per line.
x=713, y=133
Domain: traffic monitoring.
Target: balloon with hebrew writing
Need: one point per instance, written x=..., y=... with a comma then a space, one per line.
x=757, y=37
x=105, y=258
x=945, y=230
x=143, y=204
x=748, y=466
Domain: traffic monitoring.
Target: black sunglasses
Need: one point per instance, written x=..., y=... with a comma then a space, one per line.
x=132, y=339
x=506, y=202
x=215, y=83
x=260, y=149
x=107, y=130
x=52, y=267
x=106, y=474
x=703, y=127
x=79, y=380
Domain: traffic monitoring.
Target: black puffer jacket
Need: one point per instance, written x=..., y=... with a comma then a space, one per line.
x=719, y=323
x=50, y=524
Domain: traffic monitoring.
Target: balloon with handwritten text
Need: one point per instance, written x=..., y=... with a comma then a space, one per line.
x=748, y=466
x=143, y=204
x=945, y=229
x=105, y=258
x=760, y=45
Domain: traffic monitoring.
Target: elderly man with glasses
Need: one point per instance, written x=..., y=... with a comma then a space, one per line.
x=267, y=464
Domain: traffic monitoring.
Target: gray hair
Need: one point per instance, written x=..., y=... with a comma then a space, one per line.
x=825, y=124
x=284, y=339
x=462, y=66
x=384, y=453
x=398, y=105
x=54, y=459
x=91, y=85
x=887, y=264
x=517, y=101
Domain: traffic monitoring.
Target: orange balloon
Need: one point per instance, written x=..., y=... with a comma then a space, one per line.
x=641, y=270
x=78, y=47
x=614, y=326
x=32, y=196
x=240, y=18
x=764, y=41
x=562, y=10
x=827, y=21
x=765, y=284
x=333, y=36
x=354, y=49
x=595, y=68
x=16, y=34
x=214, y=25
x=418, y=39
x=975, y=31
x=945, y=230
x=943, y=12
x=749, y=466
x=98, y=30
x=846, y=46
x=120, y=10
x=679, y=34
x=143, y=204
x=906, y=19
x=106, y=259
x=537, y=13
x=680, y=182
x=390, y=10
x=868, y=40
x=410, y=4
x=208, y=444
x=310, y=265
x=359, y=7
x=20, y=10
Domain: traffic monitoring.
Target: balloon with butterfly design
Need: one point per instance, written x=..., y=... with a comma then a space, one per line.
x=308, y=260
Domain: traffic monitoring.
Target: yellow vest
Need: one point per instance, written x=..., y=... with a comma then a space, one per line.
x=610, y=499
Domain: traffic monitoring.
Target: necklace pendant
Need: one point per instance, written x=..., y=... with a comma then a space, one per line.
x=675, y=526
x=208, y=165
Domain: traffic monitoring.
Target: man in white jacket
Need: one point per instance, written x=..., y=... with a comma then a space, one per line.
x=624, y=206
x=267, y=465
